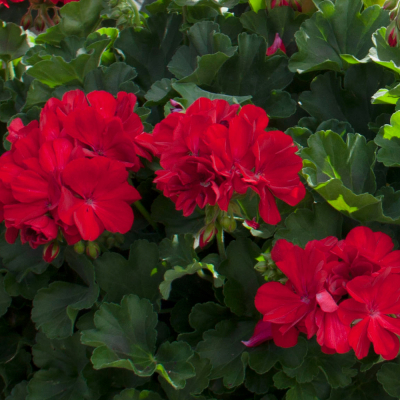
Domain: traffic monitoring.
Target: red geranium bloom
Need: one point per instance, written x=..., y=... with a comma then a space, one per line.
x=96, y=196
x=374, y=299
x=296, y=302
x=191, y=182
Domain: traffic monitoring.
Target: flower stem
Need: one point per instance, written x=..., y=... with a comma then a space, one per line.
x=220, y=243
x=10, y=73
x=145, y=214
x=47, y=18
x=135, y=11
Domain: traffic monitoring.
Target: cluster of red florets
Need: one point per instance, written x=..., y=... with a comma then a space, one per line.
x=213, y=152
x=67, y=176
x=346, y=292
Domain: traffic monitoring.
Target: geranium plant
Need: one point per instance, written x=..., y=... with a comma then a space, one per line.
x=200, y=200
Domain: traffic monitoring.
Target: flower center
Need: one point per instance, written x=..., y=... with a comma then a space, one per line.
x=89, y=202
x=205, y=184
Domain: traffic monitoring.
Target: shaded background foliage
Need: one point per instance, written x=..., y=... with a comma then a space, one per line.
x=153, y=318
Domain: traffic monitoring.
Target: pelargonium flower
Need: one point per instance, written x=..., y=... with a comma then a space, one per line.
x=374, y=302
x=236, y=154
x=96, y=197
x=66, y=176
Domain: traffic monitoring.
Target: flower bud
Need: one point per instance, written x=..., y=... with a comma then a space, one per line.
x=389, y=4
x=26, y=20
x=296, y=5
x=393, y=37
x=115, y=14
x=252, y=224
x=278, y=44
x=79, y=247
x=228, y=223
x=234, y=208
x=176, y=107
x=56, y=19
x=119, y=238
x=39, y=23
x=207, y=234
x=110, y=242
x=93, y=250
x=113, y=3
x=51, y=251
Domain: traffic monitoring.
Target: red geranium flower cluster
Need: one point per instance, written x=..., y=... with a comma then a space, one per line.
x=212, y=152
x=67, y=175
x=346, y=292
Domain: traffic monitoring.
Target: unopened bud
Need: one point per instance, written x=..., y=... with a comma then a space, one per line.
x=176, y=107
x=93, y=250
x=119, y=238
x=39, y=23
x=51, y=251
x=113, y=3
x=115, y=14
x=207, y=234
x=56, y=19
x=110, y=242
x=252, y=224
x=26, y=20
x=228, y=223
x=389, y=4
x=295, y=4
x=234, y=208
x=79, y=247
x=393, y=38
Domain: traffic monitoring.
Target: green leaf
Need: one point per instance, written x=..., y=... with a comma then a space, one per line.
x=388, y=139
x=382, y=53
x=344, y=183
x=28, y=286
x=224, y=348
x=264, y=357
x=178, y=251
x=201, y=60
x=388, y=376
x=336, y=367
x=5, y=299
x=133, y=394
x=78, y=19
x=58, y=71
x=239, y=293
x=19, y=392
x=302, y=392
x=250, y=72
x=178, y=272
x=257, y=5
x=141, y=274
x=329, y=41
x=364, y=387
x=149, y=51
x=163, y=210
x=282, y=381
x=203, y=317
x=328, y=100
x=125, y=337
x=37, y=95
x=21, y=259
x=112, y=79
x=55, y=308
x=193, y=385
x=160, y=92
x=351, y=162
x=15, y=370
x=304, y=225
x=190, y=92
x=13, y=41
x=281, y=20
x=390, y=95
x=60, y=376
x=257, y=383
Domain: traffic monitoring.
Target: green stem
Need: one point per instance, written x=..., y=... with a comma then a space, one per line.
x=47, y=18
x=220, y=243
x=10, y=73
x=145, y=214
x=135, y=11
